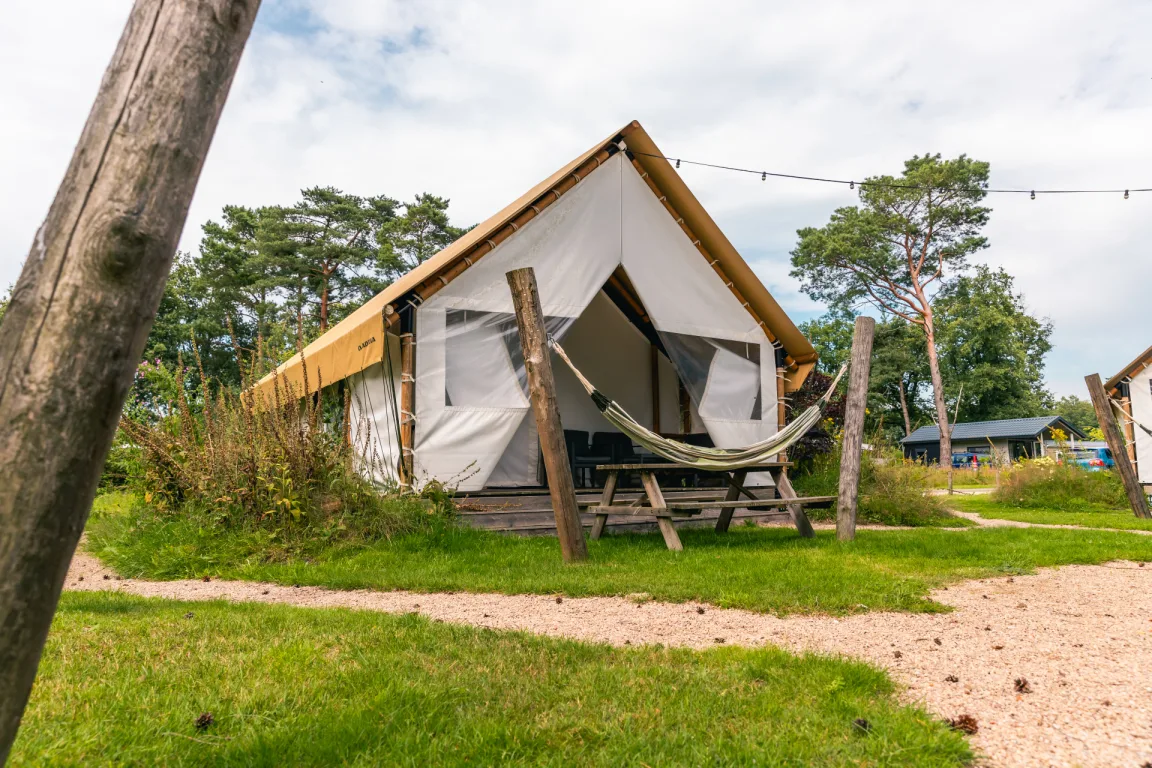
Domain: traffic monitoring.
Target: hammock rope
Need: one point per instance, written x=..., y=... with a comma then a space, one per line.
x=700, y=457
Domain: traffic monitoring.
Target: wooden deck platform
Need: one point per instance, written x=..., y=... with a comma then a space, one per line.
x=529, y=512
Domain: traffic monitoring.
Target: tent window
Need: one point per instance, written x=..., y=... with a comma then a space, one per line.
x=483, y=361
x=722, y=376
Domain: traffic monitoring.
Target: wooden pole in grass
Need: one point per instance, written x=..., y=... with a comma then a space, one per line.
x=542, y=392
x=860, y=366
x=1136, y=498
x=86, y=297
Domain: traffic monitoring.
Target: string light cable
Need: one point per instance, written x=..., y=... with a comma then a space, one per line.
x=852, y=184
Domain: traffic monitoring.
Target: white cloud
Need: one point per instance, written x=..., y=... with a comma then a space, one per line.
x=478, y=101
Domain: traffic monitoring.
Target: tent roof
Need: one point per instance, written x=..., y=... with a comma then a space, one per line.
x=1137, y=365
x=1004, y=428
x=355, y=343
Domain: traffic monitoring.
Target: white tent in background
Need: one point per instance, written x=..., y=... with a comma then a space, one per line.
x=1131, y=388
x=646, y=294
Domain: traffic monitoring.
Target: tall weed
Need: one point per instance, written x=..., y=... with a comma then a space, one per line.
x=893, y=490
x=1042, y=483
x=223, y=457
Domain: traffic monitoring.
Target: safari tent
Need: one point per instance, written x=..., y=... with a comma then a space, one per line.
x=648, y=296
x=1131, y=392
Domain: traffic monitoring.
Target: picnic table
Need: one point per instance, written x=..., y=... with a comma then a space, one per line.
x=664, y=511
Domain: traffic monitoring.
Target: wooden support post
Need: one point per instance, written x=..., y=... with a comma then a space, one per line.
x=799, y=518
x=542, y=392
x=605, y=501
x=663, y=518
x=654, y=360
x=734, y=487
x=852, y=447
x=1136, y=498
x=407, y=403
x=87, y=294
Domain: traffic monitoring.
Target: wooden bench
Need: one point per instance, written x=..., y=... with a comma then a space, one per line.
x=664, y=511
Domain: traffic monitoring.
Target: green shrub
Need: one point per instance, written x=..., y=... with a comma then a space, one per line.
x=893, y=490
x=1042, y=483
x=282, y=470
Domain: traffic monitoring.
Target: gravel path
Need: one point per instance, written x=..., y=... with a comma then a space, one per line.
x=992, y=522
x=1079, y=635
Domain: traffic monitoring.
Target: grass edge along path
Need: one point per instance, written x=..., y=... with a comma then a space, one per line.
x=761, y=569
x=1091, y=516
x=124, y=680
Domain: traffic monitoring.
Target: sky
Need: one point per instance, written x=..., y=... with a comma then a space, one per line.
x=478, y=101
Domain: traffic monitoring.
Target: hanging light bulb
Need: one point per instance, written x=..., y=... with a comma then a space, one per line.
x=764, y=176
x=851, y=185
x=1125, y=194
x=1033, y=195
x=677, y=162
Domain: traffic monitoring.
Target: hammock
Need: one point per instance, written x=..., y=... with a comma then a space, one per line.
x=697, y=456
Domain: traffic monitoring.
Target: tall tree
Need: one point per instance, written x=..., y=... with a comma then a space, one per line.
x=325, y=247
x=410, y=240
x=1079, y=413
x=899, y=367
x=831, y=335
x=238, y=275
x=898, y=374
x=909, y=237
x=993, y=347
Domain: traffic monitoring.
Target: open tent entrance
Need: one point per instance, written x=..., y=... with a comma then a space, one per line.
x=661, y=379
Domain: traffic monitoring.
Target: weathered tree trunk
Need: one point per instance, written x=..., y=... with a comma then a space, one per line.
x=81, y=311
x=904, y=406
x=324, y=307
x=938, y=393
x=852, y=447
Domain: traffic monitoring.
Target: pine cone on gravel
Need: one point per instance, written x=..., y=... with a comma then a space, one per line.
x=964, y=724
x=1022, y=686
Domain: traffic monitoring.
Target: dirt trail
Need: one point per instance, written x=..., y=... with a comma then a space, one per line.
x=992, y=522
x=1079, y=635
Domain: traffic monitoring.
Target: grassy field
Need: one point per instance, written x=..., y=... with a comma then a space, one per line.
x=771, y=570
x=124, y=679
x=1091, y=516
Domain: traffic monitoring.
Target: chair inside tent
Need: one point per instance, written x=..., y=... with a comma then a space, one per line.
x=639, y=307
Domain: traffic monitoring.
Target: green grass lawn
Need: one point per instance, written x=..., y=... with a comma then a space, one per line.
x=123, y=680
x=1089, y=516
x=763, y=569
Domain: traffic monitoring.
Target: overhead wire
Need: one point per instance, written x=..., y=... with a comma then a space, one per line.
x=852, y=183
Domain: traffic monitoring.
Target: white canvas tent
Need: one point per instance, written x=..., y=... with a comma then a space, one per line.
x=627, y=261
